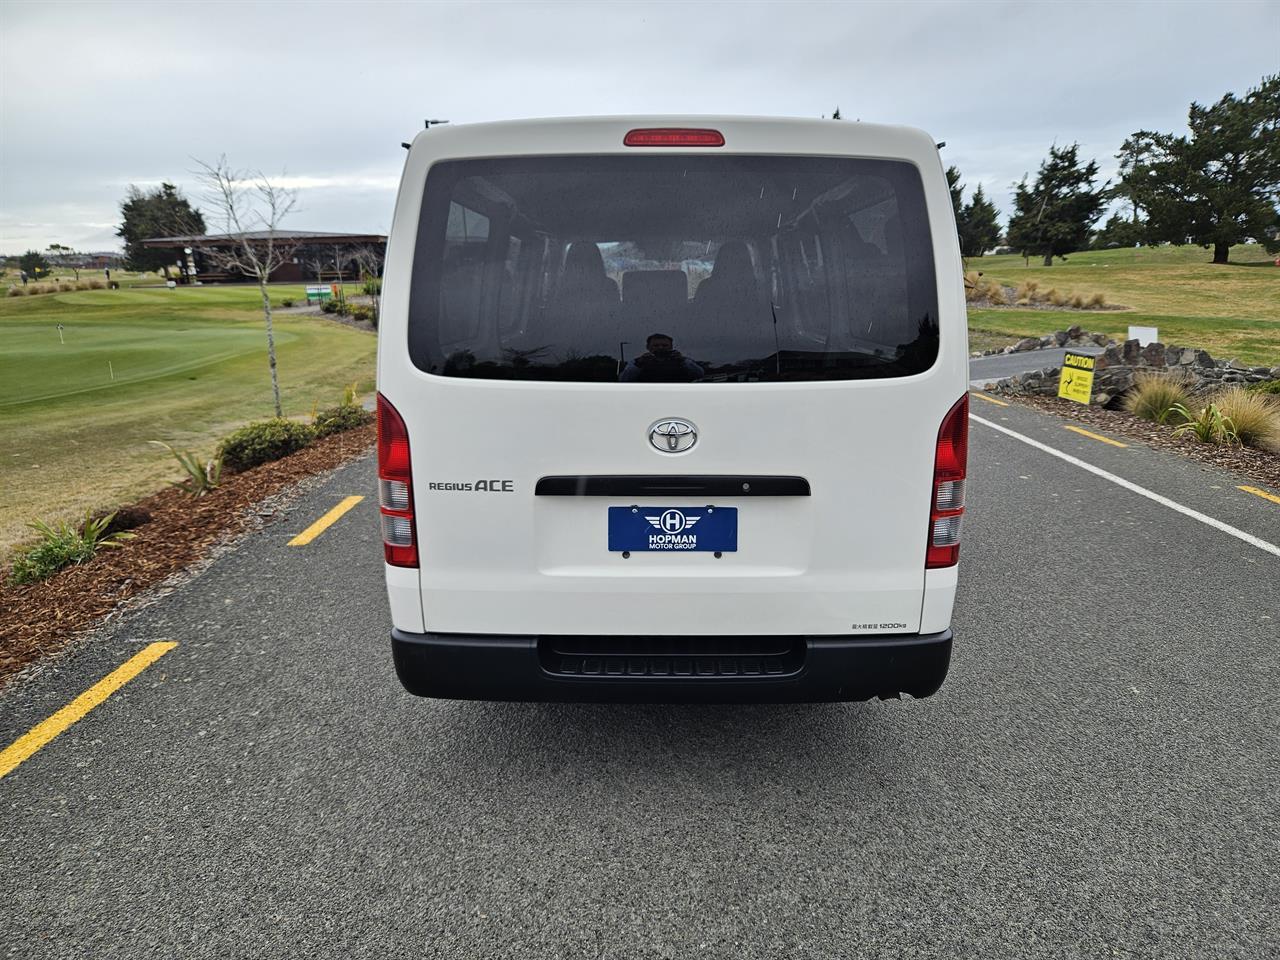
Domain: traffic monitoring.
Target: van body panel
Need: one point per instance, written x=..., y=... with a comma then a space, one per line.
x=496, y=559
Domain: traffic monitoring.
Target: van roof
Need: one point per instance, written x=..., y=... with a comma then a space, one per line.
x=531, y=135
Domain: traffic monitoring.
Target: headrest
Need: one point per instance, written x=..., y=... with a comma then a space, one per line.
x=733, y=260
x=583, y=260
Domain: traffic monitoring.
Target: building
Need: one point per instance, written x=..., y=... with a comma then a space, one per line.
x=313, y=255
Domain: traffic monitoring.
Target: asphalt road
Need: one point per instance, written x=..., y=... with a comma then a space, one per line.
x=985, y=369
x=1098, y=776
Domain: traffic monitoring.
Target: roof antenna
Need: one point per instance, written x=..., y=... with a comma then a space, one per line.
x=429, y=123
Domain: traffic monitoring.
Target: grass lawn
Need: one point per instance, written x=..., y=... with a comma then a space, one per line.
x=189, y=366
x=1233, y=311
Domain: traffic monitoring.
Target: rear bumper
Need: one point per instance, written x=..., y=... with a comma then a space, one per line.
x=812, y=669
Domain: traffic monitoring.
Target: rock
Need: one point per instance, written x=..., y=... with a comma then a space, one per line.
x=1100, y=339
x=1101, y=398
x=1025, y=344
x=1153, y=354
x=1237, y=365
x=1261, y=371
x=1074, y=331
x=1131, y=351
x=1203, y=359
x=1275, y=373
x=1060, y=338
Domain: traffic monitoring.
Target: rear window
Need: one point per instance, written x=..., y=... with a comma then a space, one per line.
x=644, y=269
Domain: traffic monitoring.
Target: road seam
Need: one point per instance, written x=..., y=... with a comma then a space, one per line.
x=1093, y=436
x=1226, y=528
x=325, y=522
x=45, y=731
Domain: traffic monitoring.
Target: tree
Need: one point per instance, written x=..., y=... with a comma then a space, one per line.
x=1120, y=231
x=979, y=229
x=1054, y=217
x=836, y=115
x=1220, y=185
x=957, y=191
x=66, y=257
x=162, y=212
x=33, y=263
x=249, y=208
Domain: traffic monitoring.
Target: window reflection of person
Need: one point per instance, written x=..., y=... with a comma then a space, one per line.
x=662, y=363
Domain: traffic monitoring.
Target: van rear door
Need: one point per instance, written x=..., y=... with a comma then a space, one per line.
x=674, y=393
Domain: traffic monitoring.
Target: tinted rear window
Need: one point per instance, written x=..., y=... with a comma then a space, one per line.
x=707, y=269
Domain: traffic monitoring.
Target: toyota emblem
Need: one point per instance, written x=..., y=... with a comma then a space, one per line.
x=673, y=436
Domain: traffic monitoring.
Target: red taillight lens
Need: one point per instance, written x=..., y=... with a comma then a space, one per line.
x=395, y=488
x=673, y=137
x=949, y=465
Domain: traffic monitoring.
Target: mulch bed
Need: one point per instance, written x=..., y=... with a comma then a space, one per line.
x=40, y=618
x=1259, y=466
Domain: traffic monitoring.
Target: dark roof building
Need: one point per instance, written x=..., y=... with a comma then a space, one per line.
x=314, y=255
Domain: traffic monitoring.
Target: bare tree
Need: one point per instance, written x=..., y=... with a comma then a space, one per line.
x=250, y=209
x=370, y=261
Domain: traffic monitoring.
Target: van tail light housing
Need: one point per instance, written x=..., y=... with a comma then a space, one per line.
x=673, y=137
x=395, y=488
x=947, y=508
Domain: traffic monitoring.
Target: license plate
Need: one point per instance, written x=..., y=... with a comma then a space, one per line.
x=673, y=529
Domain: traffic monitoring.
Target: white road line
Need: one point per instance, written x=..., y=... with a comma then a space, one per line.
x=1248, y=538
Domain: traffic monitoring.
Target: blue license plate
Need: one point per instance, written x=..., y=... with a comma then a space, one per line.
x=673, y=529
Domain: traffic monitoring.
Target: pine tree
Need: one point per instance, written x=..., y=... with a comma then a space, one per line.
x=162, y=212
x=1054, y=217
x=978, y=226
x=1218, y=186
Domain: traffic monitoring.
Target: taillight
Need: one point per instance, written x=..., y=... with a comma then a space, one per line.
x=947, y=508
x=395, y=488
x=673, y=137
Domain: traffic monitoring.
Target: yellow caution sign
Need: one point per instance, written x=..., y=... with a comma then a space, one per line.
x=1076, y=382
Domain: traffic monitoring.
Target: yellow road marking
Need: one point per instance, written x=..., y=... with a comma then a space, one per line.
x=983, y=396
x=1260, y=493
x=1094, y=436
x=325, y=522
x=43, y=732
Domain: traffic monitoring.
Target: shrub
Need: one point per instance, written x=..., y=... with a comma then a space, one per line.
x=17, y=292
x=360, y=311
x=1154, y=396
x=1208, y=425
x=1077, y=301
x=1096, y=301
x=1265, y=387
x=201, y=477
x=263, y=441
x=330, y=306
x=1056, y=298
x=65, y=286
x=1255, y=416
x=372, y=286
x=62, y=545
x=345, y=416
x=287, y=302
x=96, y=284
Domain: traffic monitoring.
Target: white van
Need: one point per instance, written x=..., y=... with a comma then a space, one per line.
x=672, y=409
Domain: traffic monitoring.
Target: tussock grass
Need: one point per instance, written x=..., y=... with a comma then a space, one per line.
x=1096, y=300
x=1154, y=396
x=1255, y=416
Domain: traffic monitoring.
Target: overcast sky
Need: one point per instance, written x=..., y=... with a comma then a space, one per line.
x=96, y=96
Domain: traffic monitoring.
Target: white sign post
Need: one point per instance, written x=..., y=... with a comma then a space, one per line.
x=1144, y=335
